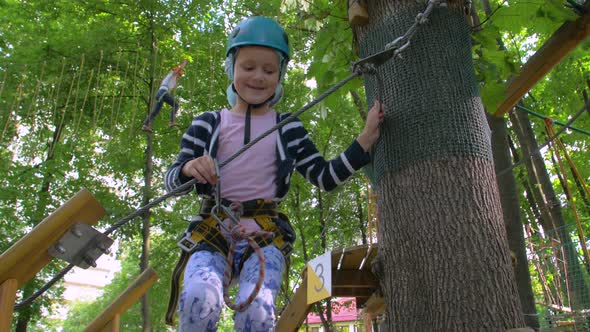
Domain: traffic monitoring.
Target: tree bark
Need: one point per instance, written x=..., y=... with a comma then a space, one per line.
x=443, y=257
x=360, y=217
x=147, y=193
x=512, y=219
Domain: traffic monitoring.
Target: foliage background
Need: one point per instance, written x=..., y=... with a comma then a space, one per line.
x=76, y=82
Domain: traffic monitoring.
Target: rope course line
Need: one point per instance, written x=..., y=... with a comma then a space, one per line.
x=541, y=116
x=120, y=98
x=77, y=123
x=59, y=128
x=16, y=103
x=551, y=139
x=78, y=87
x=94, y=115
x=557, y=144
x=116, y=71
x=35, y=96
x=366, y=65
x=134, y=83
x=58, y=91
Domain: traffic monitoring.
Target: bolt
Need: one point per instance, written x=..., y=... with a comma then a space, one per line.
x=88, y=260
x=60, y=248
x=77, y=233
x=103, y=247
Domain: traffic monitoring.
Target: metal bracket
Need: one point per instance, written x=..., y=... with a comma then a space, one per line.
x=376, y=59
x=81, y=245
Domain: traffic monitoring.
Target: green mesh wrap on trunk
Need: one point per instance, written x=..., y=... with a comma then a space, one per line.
x=433, y=106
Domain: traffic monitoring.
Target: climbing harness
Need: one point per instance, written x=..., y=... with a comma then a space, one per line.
x=367, y=65
x=204, y=233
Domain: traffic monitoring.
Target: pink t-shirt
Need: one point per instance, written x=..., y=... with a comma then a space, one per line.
x=252, y=174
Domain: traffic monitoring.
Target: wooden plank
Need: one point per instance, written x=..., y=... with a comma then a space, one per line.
x=352, y=292
x=29, y=254
x=354, y=279
x=7, y=295
x=348, y=281
x=557, y=47
x=353, y=256
x=113, y=325
x=296, y=312
x=127, y=298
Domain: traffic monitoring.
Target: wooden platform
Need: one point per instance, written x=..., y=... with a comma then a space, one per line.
x=348, y=280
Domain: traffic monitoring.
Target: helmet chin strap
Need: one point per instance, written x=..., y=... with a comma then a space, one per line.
x=249, y=114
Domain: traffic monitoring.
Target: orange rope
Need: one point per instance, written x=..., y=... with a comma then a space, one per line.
x=550, y=132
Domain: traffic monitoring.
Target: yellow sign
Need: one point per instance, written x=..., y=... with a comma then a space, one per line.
x=319, y=278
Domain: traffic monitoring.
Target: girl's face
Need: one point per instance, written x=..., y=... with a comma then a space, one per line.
x=256, y=73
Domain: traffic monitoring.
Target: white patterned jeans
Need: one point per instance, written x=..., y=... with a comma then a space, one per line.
x=201, y=299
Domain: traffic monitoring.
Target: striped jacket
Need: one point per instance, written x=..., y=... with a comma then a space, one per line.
x=294, y=151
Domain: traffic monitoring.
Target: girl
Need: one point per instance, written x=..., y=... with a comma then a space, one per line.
x=257, y=56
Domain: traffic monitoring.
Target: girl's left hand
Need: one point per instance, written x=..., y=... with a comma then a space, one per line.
x=372, y=126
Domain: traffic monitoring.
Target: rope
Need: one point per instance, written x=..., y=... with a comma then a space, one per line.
x=541, y=116
x=557, y=144
x=58, y=91
x=559, y=132
x=94, y=115
x=35, y=95
x=114, y=97
x=238, y=233
x=121, y=97
x=77, y=123
x=16, y=103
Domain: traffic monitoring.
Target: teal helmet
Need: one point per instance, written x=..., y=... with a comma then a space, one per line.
x=259, y=31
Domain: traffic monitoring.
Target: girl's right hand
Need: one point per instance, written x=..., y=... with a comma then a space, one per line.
x=202, y=169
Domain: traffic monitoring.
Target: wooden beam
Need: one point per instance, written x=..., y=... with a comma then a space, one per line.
x=29, y=254
x=352, y=292
x=348, y=281
x=113, y=325
x=127, y=298
x=557, y=47
x=354, y=279
x=7, y=295
x=295, y=313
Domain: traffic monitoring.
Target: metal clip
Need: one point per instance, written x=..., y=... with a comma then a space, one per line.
x=186, y=242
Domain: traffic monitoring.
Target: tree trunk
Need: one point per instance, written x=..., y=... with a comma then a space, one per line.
x=512, y=219
x=147, y=193
x=550, y=208
x=327, y=321
x=443, y=258
x=360, y=217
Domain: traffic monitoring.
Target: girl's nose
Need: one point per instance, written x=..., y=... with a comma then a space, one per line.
x=259, y=75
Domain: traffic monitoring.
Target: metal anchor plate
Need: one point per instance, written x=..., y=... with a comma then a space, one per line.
x=81, y=245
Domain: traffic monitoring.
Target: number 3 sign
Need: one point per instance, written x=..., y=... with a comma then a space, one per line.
x=319, y=278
